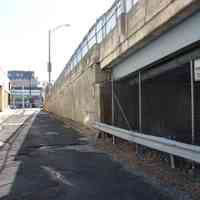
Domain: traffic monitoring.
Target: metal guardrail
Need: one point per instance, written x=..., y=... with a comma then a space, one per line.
x=189, y=152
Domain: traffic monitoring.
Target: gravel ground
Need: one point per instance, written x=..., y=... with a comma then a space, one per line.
x=178, y=183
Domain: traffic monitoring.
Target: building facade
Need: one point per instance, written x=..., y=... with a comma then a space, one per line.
x=25, y=92
x=4, y=91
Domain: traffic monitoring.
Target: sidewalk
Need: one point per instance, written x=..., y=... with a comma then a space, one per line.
x=6, y=114
x=10, y=121
x=3, y=117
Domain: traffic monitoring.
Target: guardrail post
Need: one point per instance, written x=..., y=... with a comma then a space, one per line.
x=172, y=161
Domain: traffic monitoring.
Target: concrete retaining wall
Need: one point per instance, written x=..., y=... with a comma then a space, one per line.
x=79, y=97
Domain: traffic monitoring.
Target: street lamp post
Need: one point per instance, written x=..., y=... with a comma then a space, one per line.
x=49, y=62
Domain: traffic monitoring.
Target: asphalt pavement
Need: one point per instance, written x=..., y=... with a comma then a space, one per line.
x=48, y=161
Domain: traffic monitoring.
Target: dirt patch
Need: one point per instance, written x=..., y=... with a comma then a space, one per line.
x=151, y=166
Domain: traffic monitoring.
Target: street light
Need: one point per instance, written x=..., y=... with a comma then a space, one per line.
x=49, y=62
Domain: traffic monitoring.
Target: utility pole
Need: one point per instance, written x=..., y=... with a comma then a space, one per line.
x=49, y=49
x=49, y=63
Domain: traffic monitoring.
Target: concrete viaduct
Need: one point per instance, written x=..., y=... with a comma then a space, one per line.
x=138, y=68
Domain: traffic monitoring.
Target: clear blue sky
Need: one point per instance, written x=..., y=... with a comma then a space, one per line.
x=24, y=28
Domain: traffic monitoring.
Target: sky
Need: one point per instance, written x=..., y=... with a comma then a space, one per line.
x=24, y=26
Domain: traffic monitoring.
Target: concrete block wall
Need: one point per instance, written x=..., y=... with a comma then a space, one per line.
x=78, y=100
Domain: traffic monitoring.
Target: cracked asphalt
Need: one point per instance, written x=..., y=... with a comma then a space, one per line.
x=52, y=162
